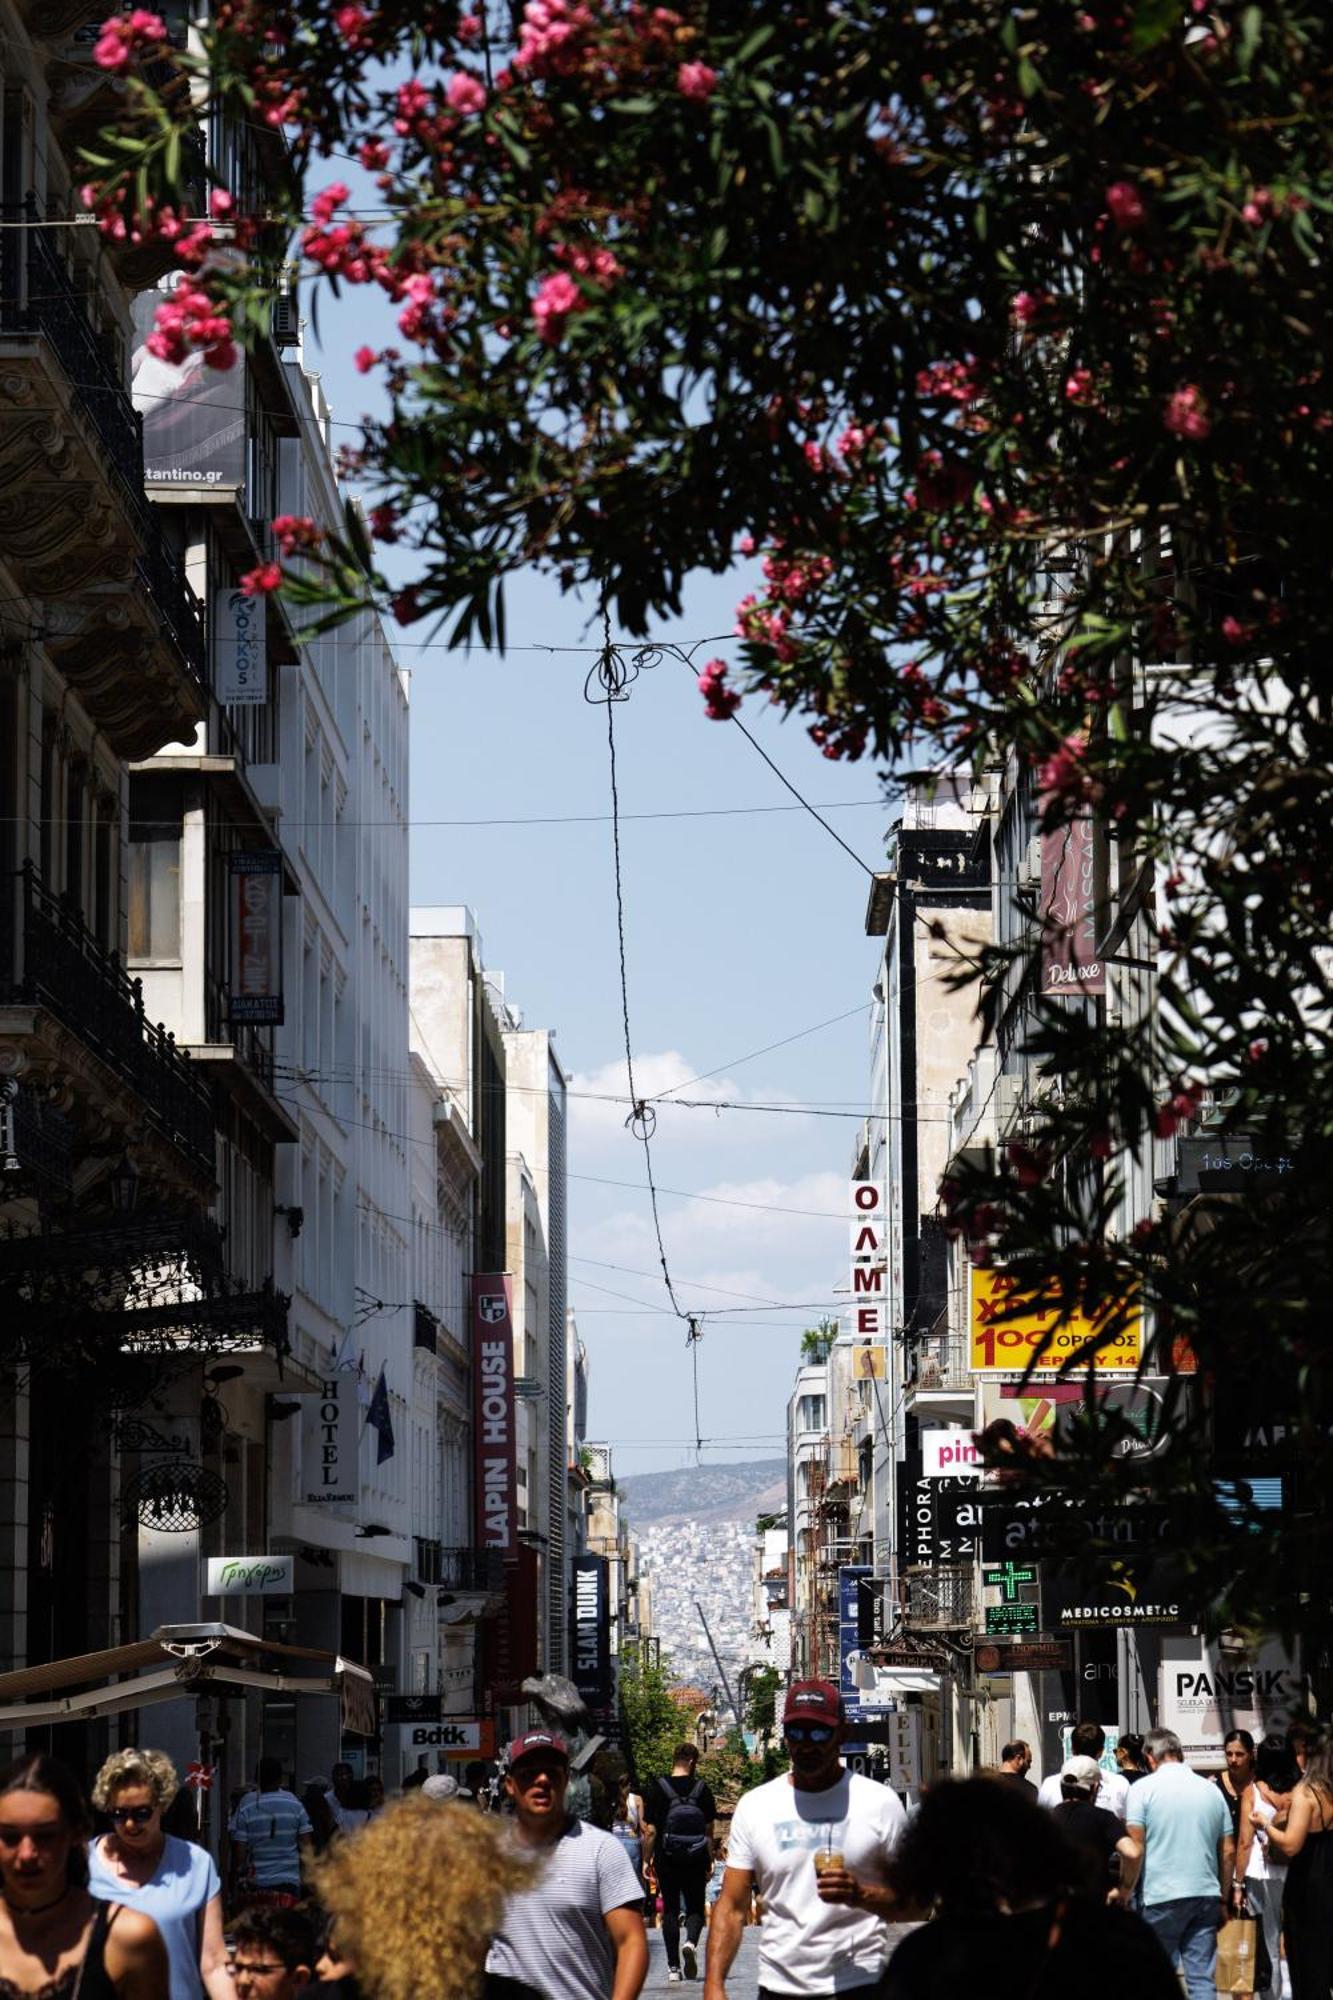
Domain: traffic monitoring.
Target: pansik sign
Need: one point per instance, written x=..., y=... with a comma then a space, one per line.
x=591, y=1632
x=250, y=1576
x=255, y=994
x=1204, y=1692
x=493, y=1414
x=1070, y=962
x=241, y=679
x=1013, y=1333
x=328, y=1443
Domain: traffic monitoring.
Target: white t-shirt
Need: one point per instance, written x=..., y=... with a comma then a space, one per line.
x=1112, y=1793
x=806, y=1946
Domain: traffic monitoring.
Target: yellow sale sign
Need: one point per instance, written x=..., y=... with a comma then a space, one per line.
x=1008, y=1331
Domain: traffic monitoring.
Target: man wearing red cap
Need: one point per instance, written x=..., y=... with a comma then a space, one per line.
x=577, y=1933
x=815, y=1845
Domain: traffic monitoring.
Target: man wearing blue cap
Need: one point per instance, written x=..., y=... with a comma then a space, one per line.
x=577, y=1933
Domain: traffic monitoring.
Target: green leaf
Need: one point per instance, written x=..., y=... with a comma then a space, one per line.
x=1251, y=28
x=1154, y=20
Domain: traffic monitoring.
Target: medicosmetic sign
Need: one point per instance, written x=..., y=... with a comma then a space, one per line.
x=1012, y=1334
x=495, y=1458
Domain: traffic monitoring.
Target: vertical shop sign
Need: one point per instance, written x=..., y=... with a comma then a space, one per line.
x=255, y=881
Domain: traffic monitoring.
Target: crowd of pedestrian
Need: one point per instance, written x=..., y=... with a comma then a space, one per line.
x=1102, y=1881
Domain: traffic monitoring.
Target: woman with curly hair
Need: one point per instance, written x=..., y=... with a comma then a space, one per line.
x=1010, y=1914
x=415, y=1899
x=56, y=1942
x=170, y=1880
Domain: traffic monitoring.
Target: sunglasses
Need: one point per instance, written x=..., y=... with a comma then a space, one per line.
x=132, y=1815
x=808, y=1732
x=40, y=1836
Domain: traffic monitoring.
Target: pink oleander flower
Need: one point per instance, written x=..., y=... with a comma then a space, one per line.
x=263, y=580
x=557, y=297
x=294, y=532
x=221, y=205
x=696, y=81
x=1080, y=387
x=465, y=93
x=365, y=359
x=1064, y=775
x=1187, y=413
x=127, y=36
x=328, y=201
x=1125, y=206
x=469, y=27
x=720, y=701
x=351, y=23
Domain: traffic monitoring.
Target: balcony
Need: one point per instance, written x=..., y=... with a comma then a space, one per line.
x=78, y=1024
x=940, y=1381
x=76, y=527
x=240, y=1056
x=941, y=1599
x=469, y=1572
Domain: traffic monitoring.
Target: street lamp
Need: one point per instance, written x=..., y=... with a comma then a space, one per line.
x=124, y=1185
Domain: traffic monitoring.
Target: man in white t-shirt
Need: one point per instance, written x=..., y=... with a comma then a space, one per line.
x=815, y=1845
x=1089, y=1740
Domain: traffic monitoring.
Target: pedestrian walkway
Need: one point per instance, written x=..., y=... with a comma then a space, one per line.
x=742, y=1980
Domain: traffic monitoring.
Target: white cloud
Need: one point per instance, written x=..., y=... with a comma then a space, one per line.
x=599, y=1100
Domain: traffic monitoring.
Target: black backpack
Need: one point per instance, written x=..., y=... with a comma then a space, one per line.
x=685, y=1830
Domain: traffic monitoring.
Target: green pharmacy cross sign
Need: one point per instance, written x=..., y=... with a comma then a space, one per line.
x=1007, y=1579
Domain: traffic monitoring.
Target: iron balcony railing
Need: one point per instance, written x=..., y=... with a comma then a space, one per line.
x=51, y=304
x=943, y=1364
x=463, y=1570
x=940, y=1599
x=51, y=959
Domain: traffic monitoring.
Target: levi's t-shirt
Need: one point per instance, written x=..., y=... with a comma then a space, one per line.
x=807, y=1946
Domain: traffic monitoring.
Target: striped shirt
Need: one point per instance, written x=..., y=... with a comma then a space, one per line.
x=552, y=1936
x=269, y=1825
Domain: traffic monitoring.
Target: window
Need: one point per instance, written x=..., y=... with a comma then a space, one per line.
x=155, y=871
x=811, y=1413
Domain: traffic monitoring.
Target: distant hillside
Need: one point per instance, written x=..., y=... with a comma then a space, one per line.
x=705, y=1493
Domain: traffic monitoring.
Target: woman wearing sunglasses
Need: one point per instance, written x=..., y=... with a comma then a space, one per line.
x=170, y=1880
x=56, y=1942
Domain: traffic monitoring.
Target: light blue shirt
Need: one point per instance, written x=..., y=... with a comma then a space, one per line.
x=1183, y=1819
x=175, y=1897
x=271, y=1826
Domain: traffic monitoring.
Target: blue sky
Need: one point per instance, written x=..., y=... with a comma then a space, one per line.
x=742, y=930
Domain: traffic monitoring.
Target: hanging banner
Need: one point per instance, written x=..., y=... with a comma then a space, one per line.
x=590, y=1632
x=193, y=415
x=1045, y=1416
x=494, y=1426
x=869, y=1364
x=1204, y=1690
x=329, y=1457
x=1070, y=962
x=1011, y=1333
x=241, y=676
x=255, y=882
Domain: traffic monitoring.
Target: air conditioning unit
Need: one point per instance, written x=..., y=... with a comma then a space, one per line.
x=286, y=323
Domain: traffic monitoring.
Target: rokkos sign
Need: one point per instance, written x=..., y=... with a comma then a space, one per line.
x=495, y=1459
x=1014, y=1334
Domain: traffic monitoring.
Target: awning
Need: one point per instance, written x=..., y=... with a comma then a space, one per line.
x=182, y=1662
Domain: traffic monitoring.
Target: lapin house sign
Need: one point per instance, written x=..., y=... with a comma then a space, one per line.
x=495, y=1483
x=869, y=1243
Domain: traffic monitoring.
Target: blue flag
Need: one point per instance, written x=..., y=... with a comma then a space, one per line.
x=377, y=1416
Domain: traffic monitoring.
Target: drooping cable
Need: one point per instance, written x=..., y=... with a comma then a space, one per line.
x=612, y=676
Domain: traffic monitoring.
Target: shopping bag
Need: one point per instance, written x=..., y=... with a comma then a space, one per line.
x=1237, y=1955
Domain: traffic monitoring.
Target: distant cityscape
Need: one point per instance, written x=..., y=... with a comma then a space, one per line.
x=701, y=1563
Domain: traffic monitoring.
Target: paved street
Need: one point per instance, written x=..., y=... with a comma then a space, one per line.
x=743, y=1981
